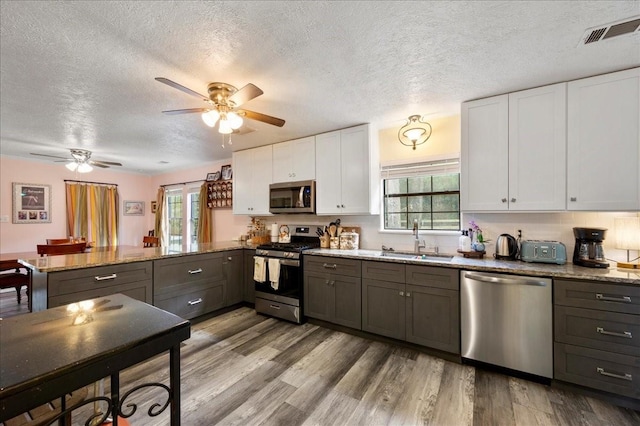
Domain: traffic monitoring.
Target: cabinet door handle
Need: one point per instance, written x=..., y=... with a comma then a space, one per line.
x=513, y=200
x=327, y=266
x=195, y=271
x=274, y=307
x=332, y=283
x=625, y=334
x=504, y=200
x=195, y=302
x=106, y=277
x=573, y=199
x=625, y=299
x=626, y=376
x=337, y=206
x=342, y=205
x=229, y=258
x=408, y=294
x=402, y=293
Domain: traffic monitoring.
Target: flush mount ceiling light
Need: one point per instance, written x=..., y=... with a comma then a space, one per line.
x=80, y=162
x=415, y=132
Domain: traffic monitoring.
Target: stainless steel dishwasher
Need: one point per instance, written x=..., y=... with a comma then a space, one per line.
x=507, y=320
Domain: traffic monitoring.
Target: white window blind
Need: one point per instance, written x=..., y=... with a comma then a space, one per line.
x=438, y=167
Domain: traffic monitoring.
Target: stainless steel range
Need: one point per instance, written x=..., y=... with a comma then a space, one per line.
x=278, y=275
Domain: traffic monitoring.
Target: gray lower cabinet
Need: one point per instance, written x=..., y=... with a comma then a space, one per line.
x=233, y=268
x=132, y=279
x=419, y=304
x=597, y=335
x=249, y=288
x=189, y=286
x=332, y=290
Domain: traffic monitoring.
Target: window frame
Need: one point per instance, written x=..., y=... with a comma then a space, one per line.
x=434, y=167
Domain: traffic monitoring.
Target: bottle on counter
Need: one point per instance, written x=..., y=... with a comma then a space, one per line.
x=465, y=241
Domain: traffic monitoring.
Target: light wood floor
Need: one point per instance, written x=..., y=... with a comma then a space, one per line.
x=245, y=369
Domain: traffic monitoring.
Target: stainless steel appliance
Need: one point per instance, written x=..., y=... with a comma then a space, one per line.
x=589, y=251
x=506, y=247
x=282, y=298
x=506, y=320
x=293, y=197
x=543, y=252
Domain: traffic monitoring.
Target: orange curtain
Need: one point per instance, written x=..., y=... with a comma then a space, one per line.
x=160, y=224
x=205, y=224
x=77, y=213
x=92, y=213
x=103, y=211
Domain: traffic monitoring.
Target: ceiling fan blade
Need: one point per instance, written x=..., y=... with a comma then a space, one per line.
x=182, y=88
x=245, y=94
x=52, y=156
x=106, y=163
x=261, y=117
x=98, y=164
x=185, y=111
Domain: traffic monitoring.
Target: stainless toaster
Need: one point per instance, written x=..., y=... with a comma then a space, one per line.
x=543, y=252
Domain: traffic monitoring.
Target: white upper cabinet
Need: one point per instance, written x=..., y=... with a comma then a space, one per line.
x=604, y=142
x=484, y=156
x=514, y=151
x=347, y=164
x=294, y=160
x=538, y=148
x=252, y=173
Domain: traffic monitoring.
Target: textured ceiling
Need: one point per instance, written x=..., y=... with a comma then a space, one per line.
x=81, y=74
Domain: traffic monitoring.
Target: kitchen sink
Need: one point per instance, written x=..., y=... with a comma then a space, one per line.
x=413, y=256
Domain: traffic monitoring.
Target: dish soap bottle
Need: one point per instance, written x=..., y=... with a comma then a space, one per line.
x=465, y=241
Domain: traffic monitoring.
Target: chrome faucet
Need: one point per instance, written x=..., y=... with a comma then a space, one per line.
x=416, y=243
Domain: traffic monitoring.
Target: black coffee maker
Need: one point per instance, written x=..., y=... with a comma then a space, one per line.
x=589, y=251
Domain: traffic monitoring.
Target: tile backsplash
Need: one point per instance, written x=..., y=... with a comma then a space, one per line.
x=556, y=226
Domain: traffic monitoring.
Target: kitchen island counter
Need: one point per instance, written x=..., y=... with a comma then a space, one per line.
x=568, y=270
x=122, y=254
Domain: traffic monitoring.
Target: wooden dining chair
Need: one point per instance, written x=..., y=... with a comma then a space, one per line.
x=150, y=241
x=57, y=249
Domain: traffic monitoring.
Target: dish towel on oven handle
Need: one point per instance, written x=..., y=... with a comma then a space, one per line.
x=259, y=269
x=274, y=273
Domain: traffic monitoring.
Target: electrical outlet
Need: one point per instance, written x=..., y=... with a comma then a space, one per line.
x=4, y=218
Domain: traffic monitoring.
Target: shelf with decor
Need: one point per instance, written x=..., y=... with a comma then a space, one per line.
x=220, y=194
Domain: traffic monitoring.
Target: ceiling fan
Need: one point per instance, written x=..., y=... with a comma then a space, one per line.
x=223, y=102
x=80, y=161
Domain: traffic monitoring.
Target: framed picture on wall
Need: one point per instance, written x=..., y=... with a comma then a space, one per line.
x=133, y=208
x=31, y=203
x=226, y=172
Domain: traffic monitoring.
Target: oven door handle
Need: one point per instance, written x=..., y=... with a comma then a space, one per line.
x=285, y=262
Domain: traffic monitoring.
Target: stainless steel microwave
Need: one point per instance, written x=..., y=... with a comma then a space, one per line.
x=293, y=197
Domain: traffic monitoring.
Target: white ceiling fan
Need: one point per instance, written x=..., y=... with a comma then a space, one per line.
x=80, y=161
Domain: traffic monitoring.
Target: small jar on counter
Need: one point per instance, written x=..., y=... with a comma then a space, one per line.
x=349, y=241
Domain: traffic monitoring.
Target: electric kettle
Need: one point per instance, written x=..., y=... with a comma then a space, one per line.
x=506, y=247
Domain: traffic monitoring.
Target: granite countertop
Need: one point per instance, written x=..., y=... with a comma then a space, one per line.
x=127, y=254
x=568, y=270
x=122, y=254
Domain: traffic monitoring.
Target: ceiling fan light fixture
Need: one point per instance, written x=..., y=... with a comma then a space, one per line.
x=84, y=168
x=210, y=117
x=72, y=166
x=235, y=121
x=415, y=132
x=224, y=127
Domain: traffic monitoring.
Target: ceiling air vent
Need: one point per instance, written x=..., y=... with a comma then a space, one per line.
x=626, y=27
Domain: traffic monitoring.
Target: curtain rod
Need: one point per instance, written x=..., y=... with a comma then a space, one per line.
x=95, y=183
x=182, y=183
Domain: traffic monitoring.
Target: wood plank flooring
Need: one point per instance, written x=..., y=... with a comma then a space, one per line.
x=242, y=368
x=9, y=302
